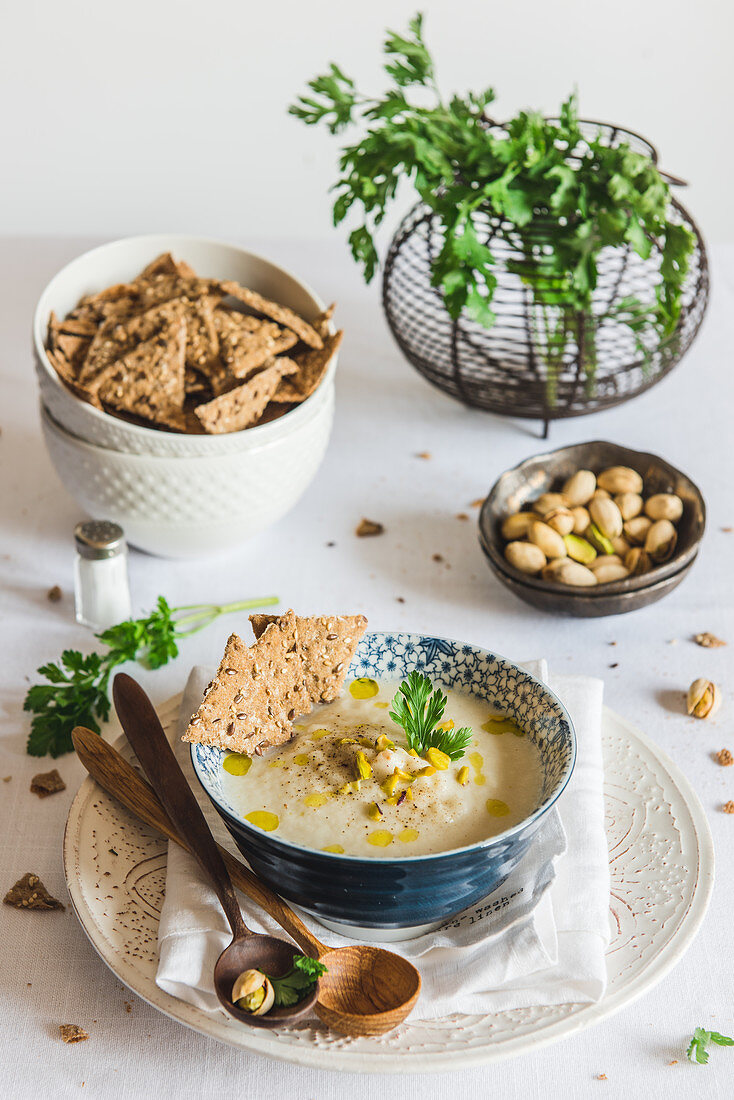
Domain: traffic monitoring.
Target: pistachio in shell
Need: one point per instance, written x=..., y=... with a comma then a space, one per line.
x=560, y=519
x=703, y=698
x=599, y=541
x=601, y=494
x=635, y=530
x=546, y=502
x=660, y=540
x=607, y=517
x=620, y=479
x=608, y=559
x=581, y=519
x=637, y=561
x=549, y=541
x=579, y=488
x=525, y=556
x=579, y=549
x=620, y=544
x=516, y=526
x=607, y=571
x=664, y=506
x=629, y=504
x=573, y=573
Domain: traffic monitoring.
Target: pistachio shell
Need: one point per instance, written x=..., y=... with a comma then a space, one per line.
x=635, y=530
x=637, y=561
x=601, y=494
x=620, y=479
x=605, y=559
x=703, y=698
x=608, y=571
x=560, y=519
x=660, y=540
x=620, y=545
x=629, y=504
x=581, y=519
x=573, y=573
x=579, y=488
x=546, y=502
x=549, y=541
x=551, y=570
x=664, y=506
x=579, y=549
x=525, y=556
x=516, y=526
x=607, y=517
x=598, y=541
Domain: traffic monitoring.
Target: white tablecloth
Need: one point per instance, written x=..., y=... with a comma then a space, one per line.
x=49, y=974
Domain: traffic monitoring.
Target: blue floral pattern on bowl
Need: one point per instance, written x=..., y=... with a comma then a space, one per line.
x=391, y=893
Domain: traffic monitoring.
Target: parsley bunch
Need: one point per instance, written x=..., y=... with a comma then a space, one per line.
x=561, y=195
x=76, y=692
x=698, y=1046
x=419, y=710
x=298, y=982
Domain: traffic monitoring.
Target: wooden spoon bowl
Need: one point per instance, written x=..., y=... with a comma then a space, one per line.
x=257, y=952
x=366, y=990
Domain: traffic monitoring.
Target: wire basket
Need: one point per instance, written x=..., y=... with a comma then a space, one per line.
x=504, y=369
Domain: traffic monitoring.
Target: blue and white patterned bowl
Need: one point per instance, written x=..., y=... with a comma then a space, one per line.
x=387, y=897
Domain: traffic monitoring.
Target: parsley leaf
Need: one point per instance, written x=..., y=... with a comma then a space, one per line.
x=76, y=692
x=698, y=1047
x=298, y=982
x=560, y=192
x=418, y=708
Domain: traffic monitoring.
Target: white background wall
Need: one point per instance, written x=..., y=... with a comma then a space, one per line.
x=168, y=114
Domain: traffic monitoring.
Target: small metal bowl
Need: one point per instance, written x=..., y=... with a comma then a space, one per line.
x=547, y=472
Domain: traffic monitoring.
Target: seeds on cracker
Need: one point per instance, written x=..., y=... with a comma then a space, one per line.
x=72, y=1033
x=327, y=645
x=242, y=407
x=231, y=333
x=46, y=783
x=30, y=893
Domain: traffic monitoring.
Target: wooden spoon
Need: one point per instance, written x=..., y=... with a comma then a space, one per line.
x=248, y=950
x=366, y=991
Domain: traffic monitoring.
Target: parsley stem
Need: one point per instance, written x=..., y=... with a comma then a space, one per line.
x=205, y=613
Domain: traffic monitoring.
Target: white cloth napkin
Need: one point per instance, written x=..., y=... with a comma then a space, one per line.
x=537, y=940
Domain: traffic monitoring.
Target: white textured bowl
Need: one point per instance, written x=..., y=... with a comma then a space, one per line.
x=122, y=260
x=191, y=507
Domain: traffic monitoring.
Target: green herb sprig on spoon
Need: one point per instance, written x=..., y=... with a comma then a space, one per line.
x=76, y=692
x=419, y=709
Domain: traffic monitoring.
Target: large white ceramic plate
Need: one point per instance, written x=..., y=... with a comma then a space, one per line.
x=662, y=868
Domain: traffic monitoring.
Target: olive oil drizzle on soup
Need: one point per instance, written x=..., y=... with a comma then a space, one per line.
x=347, y=784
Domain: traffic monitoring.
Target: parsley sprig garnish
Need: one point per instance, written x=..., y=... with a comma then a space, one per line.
x=298, y=982
x=698, y=1046
x=419, y=708
x=563, y=196
x=76, y=692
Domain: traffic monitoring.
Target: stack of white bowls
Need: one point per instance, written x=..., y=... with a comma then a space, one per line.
x=179, y=495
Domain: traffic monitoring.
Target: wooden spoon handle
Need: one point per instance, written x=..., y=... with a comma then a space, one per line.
x=115, y=775
x=147, y=736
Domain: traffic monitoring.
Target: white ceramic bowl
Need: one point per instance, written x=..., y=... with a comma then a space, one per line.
x=191, y=507
x=120, y=261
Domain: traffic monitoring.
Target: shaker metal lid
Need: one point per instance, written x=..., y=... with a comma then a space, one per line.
x=99, y=538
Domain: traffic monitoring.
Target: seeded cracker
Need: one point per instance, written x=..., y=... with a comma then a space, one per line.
x=246, y=343
x=149, y=381
x=116, y=338
x=46, y=783
x=165, y=264
x=243, y=406
x=312, y=366
x=72, y=1033
x=326, y=645
x=256, y=693
x=281, y=314
x=30, y=893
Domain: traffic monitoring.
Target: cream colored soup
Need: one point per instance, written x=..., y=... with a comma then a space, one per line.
x=308, y=790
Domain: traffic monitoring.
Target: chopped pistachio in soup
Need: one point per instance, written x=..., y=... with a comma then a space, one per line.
x=347, y=783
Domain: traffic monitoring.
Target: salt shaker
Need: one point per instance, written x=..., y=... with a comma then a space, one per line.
x=101, y=587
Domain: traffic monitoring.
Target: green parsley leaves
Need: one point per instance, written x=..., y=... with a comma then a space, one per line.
x=698, y=1047
x=418, y=708
x=76, y=691
x=298, y=982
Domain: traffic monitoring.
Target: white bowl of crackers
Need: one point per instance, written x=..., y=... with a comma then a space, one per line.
x=187, y=389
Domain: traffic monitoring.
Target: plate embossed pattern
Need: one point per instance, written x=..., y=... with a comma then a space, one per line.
x=661, y=862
